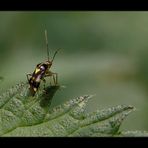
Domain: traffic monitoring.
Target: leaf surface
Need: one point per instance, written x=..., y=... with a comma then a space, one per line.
x=24, y=115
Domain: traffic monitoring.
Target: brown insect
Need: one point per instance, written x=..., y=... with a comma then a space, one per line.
x=41, y=71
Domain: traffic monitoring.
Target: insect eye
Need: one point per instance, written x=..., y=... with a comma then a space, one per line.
x=42, y=67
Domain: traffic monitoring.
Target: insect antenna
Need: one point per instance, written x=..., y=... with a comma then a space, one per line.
x=54, y=55
x=47, y=44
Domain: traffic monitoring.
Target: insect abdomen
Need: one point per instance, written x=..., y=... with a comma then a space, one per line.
x=33, y=86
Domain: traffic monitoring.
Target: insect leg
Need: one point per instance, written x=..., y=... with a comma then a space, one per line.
x=29, y=74
x=50, y=80
x=55, y=78
x=53, y=75
x=44, y=82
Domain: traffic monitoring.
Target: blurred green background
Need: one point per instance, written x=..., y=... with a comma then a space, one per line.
x=102, y=53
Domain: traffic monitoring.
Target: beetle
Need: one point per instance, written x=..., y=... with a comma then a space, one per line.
x=41, y=71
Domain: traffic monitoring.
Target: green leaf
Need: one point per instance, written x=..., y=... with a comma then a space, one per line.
x=134, y=134
x=24, y=115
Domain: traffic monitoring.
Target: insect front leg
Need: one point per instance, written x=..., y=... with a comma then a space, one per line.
x=48, y=74
x=53, y=75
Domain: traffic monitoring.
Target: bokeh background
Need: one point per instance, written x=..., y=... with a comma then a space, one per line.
x=102, y=53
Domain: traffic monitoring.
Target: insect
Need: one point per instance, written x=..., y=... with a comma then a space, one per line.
x=41, y=71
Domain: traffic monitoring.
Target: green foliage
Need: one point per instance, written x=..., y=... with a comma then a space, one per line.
x=103, y=53
x=134, y=134
x=1, y=78
x=24, y=115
